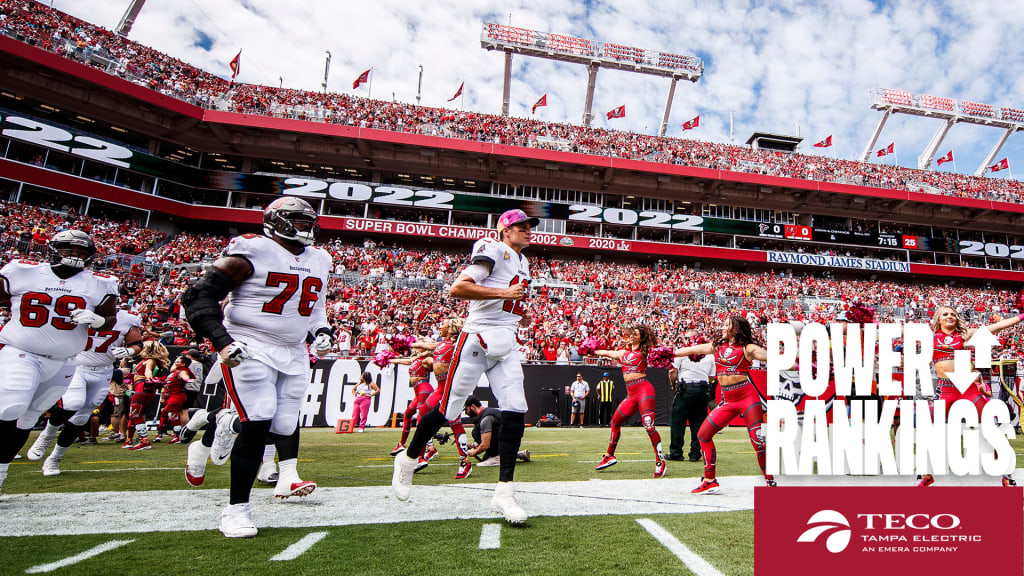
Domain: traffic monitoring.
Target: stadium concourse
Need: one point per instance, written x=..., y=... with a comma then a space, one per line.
x=76, y=39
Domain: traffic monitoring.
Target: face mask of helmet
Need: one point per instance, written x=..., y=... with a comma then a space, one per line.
x=72, y=249
x=291, y=219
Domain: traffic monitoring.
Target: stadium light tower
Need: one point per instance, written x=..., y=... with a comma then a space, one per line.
x=948, y=110
x=125, y=25
x=591, y=53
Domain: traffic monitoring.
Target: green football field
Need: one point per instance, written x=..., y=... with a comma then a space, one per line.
x=112, y=511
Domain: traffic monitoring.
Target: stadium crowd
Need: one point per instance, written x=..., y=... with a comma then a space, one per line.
x=63, y=34
x=378, y=290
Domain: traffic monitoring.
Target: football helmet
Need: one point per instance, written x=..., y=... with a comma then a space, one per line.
x=71, y=248
x=291, y=218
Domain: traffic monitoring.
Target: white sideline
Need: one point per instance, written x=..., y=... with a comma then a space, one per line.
x=490, y=537
x=105, y=547
x=299, y=548
x=693, y=562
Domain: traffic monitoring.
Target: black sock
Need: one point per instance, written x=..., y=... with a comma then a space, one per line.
x=509, y=438
x=59, y=416
x=12, y=439
x=69, y=434
x=287, y=446
x=246, y=457
x=429, y=424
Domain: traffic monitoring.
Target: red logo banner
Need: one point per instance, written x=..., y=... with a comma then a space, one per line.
x=883, y=530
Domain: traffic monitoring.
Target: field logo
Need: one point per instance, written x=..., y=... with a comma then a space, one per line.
x=825, y=521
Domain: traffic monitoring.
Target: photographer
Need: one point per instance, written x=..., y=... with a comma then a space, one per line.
x=691, y=377
x=486, y=425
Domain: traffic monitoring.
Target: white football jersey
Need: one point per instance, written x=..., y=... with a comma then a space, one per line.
x=41, y=306
x=507, y=269
x=97, y=349
x=283, y=300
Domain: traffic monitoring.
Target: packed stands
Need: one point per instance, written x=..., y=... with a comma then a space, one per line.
x=60, y=33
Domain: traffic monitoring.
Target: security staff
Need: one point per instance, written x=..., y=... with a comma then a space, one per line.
x=691, y=377
x=606, y=396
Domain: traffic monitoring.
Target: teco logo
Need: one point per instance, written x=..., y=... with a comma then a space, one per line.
x=828, y=521
x=912, y=521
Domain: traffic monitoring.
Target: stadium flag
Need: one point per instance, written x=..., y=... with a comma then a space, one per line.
x=887, y=150
x=364, y=77
x=235, y=65
x=826, y=143
x=457, y=92
x=692, y=123
x=619, y=112
x=947, y=158
x=542, y=102
x=1003, y=164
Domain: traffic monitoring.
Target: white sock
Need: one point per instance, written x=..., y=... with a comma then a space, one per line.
x=58, y=452
x=286, y=471
x=50, y=431
x=269, y=451
x=198, y=454
x=3, y=474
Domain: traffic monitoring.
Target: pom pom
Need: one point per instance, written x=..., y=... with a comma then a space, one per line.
x=383, y=358
x=588, y=346
x=402, y=343
x=661, y=357
x=860, y=314
x=1019, y=300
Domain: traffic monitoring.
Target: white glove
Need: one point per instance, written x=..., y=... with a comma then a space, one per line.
x=322, y=343
x=88, y=317
x=233, y=354
x=120, y=352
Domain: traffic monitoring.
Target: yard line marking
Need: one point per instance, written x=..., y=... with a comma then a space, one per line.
x=299, y=548
x=106, y=547
x=490, y=536
x=65, y=471
x=693, y=562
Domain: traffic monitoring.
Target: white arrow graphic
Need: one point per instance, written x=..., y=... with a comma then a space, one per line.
x=962, y=376
x=982, y=341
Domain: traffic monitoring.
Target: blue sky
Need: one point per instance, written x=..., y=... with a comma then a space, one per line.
x=772, y=63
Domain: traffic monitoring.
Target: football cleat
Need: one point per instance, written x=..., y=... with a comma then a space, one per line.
x=142, y=445
x=175, y=440
x=158, y=438
x=268, y=473
x=1009, y=481
x=41, y=445
x=51, y=467
x=187, y=434
x=659, y=469
x=523, y=455
x=770, y=482
x=300, y=488
x=430, y=453
x=707, y=487
x=195, y=474
x=492, y=461
x=925, y=481
x=224, y=438
x=504, y=503
x=398, y=449
x=421, y=464
x=401, y=479
x=127, y=444
x=465, y=469
x=606, y=462
x=236, y=521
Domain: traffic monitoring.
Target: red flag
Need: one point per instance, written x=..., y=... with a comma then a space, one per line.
x=457, y=92
x=947, y=158
x=886, y=151
x=619, y=112
x=364, y=77
x=542, y=102
x=692, y=123
x=235, y=64
x=1001, y=165
x=824, y=143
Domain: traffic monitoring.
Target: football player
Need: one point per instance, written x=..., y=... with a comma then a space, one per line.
x=274, y=286
x=52, y=309
x=495, y=283
x=89, y=387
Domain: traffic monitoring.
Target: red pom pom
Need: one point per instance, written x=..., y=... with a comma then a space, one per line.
x=383, y=358
x=588, y=346
x=661, y=357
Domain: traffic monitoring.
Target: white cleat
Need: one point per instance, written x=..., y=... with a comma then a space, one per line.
x=401, y=479
x=224, y=438
x=40, y=446
x=51, y=466
x=504, y=503
x=236, y=521
x=268, y=473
